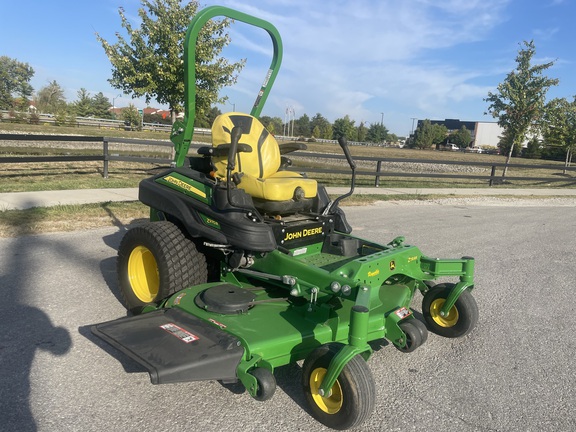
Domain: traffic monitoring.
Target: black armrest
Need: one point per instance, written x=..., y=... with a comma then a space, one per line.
x=291, y=147
x=222, y=150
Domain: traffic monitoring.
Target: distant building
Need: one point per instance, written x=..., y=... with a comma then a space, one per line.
x=483, y=133
x=487, y=134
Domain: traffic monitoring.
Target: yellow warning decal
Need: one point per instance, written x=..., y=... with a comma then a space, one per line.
x=183, y=185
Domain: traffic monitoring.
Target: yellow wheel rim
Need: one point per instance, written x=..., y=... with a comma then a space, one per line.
x=331, y=403
x=143, y=274
x=449, y=320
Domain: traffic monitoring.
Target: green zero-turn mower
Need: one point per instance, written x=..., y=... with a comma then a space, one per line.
x=246, y=266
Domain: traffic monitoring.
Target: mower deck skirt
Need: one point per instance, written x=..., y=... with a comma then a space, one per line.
x=174, y=346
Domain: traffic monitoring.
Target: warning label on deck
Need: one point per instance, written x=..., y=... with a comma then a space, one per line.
x=179, y=332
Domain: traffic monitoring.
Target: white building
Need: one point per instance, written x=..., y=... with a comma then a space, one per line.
x=487, y=134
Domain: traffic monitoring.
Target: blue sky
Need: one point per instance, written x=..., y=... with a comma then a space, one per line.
x=370, y=59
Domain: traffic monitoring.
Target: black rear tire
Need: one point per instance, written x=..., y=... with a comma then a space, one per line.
x=156, y=260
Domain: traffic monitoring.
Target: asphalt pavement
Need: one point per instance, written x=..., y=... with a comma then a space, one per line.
x=514, y=373
x=25, y=200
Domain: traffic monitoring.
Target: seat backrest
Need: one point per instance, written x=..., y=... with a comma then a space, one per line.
x=262, y=162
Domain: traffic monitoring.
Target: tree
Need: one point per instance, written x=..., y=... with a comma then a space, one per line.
x=274, y=125
x=83, y=107
x=519, y=100
x=15, y=79
x=206, y=118
x=427, y=135
x=361, y=132
x=344, y=127
x=322, y=126
x=462, y=137
x=151, y=65
x=560, y=126
x=302, y=126
x=131, y=117
x=101, y=106
x=377, y=133
x=50, y=99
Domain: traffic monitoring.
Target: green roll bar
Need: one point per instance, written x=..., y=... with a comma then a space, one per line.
x=183, y=131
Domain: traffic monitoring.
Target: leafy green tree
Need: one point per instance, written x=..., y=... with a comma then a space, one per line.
x=150, y=64
x=302, y=126
x=462, y=137
x=560, y=126
x=423, y=135
x=15, y=79
x=83, y=106
x=427, y=135
x=439, y=133
x=206, y=118
x=519, y=100
x=322, y=126
x=533, y=149
x=344, y=127
x=393, y=138
x=101, y=106
x=132, y=117
x=50, y=99
x=316, y=132
x=377, y=133
x=361, y=132
x=274, y=125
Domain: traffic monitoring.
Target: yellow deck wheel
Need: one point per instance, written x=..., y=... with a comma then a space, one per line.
x=331, y=403
x=449, y=320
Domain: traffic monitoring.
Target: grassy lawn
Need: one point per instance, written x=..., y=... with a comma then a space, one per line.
x=15, y=223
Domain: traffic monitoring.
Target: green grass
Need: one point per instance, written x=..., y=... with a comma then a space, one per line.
x=70, y=218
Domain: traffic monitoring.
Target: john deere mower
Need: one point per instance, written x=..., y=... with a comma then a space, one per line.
x=246, y=266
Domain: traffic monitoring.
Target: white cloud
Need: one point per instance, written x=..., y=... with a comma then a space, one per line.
x=350, y=57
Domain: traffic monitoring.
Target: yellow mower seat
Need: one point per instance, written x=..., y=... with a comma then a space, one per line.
x=258, y=170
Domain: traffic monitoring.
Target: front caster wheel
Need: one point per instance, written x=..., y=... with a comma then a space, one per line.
x=460, y=319
x=351, y=399
x=416, y=334
x=266, y=383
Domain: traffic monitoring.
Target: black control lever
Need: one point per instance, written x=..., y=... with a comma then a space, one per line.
x=346, y=150
x=234, y=139
x=333, y=205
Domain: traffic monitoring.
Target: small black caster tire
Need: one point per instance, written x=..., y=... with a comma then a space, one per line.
x=351, y=399
x=460, y=320
x=416, y=335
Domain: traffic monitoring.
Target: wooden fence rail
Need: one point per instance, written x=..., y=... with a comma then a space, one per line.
x=377, y=173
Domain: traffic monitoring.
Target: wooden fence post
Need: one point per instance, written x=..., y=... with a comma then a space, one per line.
x=492, y=174
x=106, y=157
x=377, y=179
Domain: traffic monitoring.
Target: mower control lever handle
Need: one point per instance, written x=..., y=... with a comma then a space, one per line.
x=333, y=205
x=346, y=150
x=234, y=138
